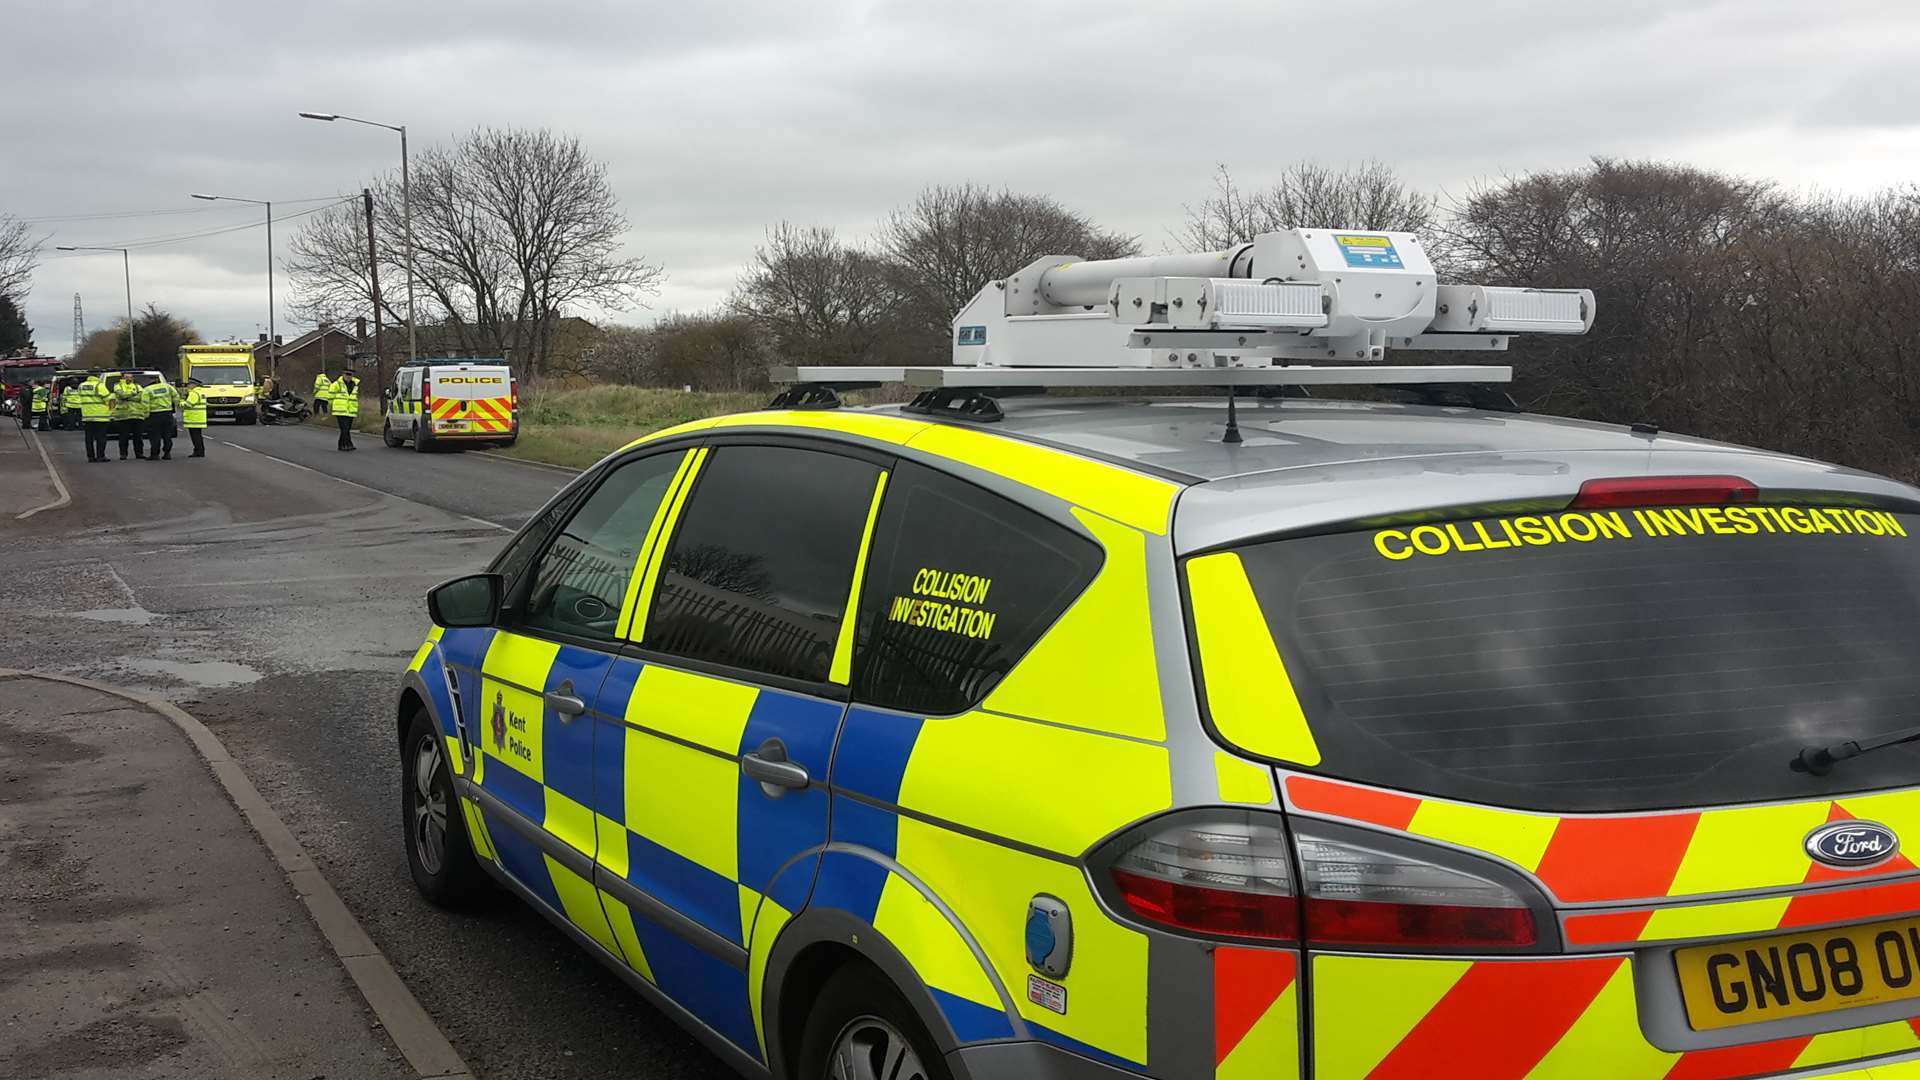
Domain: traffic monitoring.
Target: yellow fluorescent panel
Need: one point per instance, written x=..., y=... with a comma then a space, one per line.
x=1249, y=694
x=698, y=708
x=571, y=822
x=988, y=885
x=891, y=429
x=1748, y=848
x=582, y=904
x=1137, y=499
x=1095, y=668
x=1051, y=787
x=842, y=667
x=1242, y=781
x=1270, y=1050
x=685, y=800
x=1708, y=920
x=1363, y=1006
x=930, y=943
x=762, y=931
x=621, y=920
x=1609, y=1031
x=1519, y=838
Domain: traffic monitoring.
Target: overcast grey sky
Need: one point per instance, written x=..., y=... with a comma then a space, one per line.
x=717, y=118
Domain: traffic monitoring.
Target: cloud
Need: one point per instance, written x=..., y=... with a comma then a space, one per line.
x=717, y=119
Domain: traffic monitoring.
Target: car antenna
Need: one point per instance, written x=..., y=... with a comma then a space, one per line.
x=1232, y=436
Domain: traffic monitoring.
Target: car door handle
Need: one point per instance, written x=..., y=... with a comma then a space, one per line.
x=564, y=702
x=776, y=774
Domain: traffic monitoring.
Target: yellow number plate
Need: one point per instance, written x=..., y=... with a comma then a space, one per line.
x=1745, y=982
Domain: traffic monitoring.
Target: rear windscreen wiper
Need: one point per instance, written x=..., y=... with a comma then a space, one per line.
x=1819, y=760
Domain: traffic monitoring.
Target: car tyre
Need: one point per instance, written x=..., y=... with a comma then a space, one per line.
x=439, y=852
x=861, y=1027
x=248, y=418
x=422, y=438
x=394, y=442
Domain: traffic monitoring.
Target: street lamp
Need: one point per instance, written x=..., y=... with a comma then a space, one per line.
x=406, y=212
x=273, y=332
x=126, y=266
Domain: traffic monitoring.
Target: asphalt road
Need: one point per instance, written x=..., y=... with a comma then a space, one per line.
x=274, y=589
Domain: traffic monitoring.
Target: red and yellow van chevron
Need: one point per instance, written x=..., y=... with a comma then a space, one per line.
x=491, y=415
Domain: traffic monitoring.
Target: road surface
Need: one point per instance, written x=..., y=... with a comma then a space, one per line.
x=274, y=589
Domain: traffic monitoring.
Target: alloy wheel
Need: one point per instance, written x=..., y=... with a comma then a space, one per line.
x=869, y=1048
x=429, y=808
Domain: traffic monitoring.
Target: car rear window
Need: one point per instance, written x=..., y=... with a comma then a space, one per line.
x=1602, y=661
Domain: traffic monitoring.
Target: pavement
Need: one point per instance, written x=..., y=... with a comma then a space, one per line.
x=274, y=590
x=144, y=932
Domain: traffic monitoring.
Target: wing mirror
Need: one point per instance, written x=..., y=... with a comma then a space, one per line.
x=468, y=601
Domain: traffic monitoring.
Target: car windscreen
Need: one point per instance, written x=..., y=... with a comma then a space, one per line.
x=222, y=374
x=1606, y=660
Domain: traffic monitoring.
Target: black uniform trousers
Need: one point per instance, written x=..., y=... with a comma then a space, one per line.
x=199, y=443
x=96, y=431
x=131, y=430
x=160, y=435
x=346, y=431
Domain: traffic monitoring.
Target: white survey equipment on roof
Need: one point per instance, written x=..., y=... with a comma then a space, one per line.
x=1301, y=306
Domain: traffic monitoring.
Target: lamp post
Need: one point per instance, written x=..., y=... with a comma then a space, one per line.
x=406, y=213
x=273, y=331
x=126, y=267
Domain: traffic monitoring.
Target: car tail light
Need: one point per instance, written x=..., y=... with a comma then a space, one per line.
x=1229, y=874
x=513, y=396
x=1362, y=895
x=1616, y=492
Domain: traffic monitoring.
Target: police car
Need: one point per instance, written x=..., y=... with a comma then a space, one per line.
x=1201, y=735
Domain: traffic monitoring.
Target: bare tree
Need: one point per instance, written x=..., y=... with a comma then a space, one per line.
x=19, y=256
x=512, y=229
x=1307, y=194
x=953, y=239
x=817, y=300
x=333, y=282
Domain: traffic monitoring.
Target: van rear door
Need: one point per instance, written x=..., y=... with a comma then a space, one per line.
x=470, y=400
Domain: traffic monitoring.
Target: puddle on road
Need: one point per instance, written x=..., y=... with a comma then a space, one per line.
x=135, y=616
x=206, y=674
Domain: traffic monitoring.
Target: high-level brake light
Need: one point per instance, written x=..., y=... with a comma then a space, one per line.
x=1619, y=492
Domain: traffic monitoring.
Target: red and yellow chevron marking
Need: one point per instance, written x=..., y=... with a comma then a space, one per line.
x=488, y=415
x=1256, y=1014
x=1383, y=1018
x=1627, y=857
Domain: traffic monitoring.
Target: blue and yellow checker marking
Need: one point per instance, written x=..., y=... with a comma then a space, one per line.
x=648, y=785
x=898, y=781
x=653, y=724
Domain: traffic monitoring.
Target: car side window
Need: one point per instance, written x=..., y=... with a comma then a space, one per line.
x=580, y=582
x=960, y=584
x=762, y=561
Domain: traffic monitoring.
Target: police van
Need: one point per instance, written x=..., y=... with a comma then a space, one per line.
x=1209, y=732
x=451, y=403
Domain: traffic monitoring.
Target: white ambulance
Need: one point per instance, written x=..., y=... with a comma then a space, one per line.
x=436, y=402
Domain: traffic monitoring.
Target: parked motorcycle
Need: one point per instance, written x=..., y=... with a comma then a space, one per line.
x=284, y=408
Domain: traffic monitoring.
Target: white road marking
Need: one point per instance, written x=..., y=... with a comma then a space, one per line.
x=59, y=485
x=364, y=487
